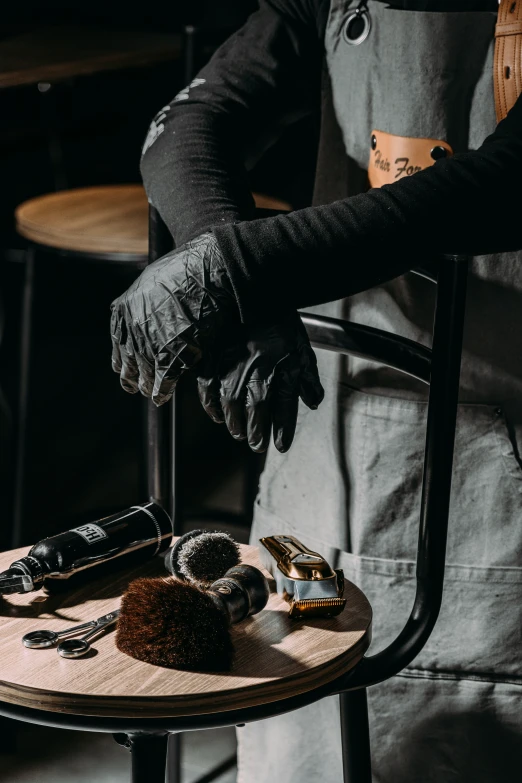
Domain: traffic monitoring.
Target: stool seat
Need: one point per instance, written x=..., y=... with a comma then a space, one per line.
x=275, y=658
x=103, y=220
x=263, y=201
x=109, y=219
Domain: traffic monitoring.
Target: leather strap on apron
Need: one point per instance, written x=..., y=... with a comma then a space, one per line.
x=507, y=68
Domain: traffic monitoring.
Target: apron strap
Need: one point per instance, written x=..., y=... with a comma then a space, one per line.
x=507, y=68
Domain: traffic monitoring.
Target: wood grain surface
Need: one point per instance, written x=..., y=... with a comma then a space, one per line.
x=103, y=219
x=51, y=54
x=275, y=657
x=264, y=201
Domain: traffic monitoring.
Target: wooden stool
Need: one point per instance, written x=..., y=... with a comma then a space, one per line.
x=279, y=663
x=106, y=224
x=103, y=224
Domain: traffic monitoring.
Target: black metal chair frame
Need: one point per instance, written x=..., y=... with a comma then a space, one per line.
x=440, y=368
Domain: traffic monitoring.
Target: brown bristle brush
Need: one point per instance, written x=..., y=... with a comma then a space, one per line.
x=174, y=624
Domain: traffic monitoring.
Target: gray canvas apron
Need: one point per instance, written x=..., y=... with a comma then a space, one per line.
x=350, y=485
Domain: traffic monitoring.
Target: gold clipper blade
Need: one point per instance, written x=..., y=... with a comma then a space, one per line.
x=317, y=607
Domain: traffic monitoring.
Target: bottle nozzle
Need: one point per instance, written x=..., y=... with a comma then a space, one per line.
x=15, y=581
x=22, y=576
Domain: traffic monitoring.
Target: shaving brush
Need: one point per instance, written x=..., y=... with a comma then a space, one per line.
x=177, y=625
x=202, y=556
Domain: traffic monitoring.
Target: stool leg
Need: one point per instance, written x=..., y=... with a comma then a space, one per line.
x=23, y=396
x=174, y=759
x=355, y=734
x=149, y=757
x=8, y=736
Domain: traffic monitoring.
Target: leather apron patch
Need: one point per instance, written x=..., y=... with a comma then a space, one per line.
x=393, y=157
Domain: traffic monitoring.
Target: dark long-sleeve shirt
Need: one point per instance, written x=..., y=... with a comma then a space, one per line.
x=265, y=77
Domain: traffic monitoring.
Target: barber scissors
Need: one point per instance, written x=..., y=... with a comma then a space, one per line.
x=70, y=648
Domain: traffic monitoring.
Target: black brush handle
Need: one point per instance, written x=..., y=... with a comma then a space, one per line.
x=241, y=592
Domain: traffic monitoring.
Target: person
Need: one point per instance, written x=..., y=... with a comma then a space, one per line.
x=225, y=301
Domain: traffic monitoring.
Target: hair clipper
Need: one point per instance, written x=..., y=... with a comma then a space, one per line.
x=305, y=579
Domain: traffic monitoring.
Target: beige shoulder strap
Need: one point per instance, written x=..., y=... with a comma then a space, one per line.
x=507, y=69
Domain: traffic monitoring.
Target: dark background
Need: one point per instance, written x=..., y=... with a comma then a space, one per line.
x=85, y=456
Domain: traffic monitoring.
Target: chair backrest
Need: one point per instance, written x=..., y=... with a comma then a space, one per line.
x=439, y=367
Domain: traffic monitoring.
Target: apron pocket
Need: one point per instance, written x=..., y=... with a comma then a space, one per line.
x=384, y=439
x=479, y=629
x=480, y=626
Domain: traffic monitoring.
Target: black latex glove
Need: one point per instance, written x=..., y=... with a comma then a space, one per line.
x=255, y=384
x=170, y=317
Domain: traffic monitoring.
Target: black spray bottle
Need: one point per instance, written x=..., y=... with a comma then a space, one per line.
x=124, y=539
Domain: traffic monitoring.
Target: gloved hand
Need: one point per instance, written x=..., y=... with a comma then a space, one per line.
x=255, y=384
x=170, y=317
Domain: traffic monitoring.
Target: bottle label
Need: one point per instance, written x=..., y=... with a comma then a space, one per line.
x=91, y=533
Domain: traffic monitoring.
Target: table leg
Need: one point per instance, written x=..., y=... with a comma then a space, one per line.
x=8, y=738
x=174, y=759
x=355, y=733
x=149, y=755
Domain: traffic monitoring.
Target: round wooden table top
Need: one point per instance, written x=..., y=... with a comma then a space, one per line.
x=108, y=219
x=275, y=657
x=54, y=53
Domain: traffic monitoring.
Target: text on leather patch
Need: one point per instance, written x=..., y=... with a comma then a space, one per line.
x=393, y=157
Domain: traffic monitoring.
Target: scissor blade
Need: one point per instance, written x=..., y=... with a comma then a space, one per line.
x=108, y=619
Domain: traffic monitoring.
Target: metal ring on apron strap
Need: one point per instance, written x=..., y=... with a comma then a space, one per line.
x=358, y=19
